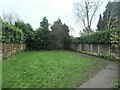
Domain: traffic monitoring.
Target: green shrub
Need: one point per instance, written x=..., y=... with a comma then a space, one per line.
x=117, y=86
x=97, y=37
x=11, y=34
x=111, y=57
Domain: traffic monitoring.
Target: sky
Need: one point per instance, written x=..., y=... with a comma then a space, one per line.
x=32, y=11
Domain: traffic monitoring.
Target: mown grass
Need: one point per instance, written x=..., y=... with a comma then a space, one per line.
x=48, y=69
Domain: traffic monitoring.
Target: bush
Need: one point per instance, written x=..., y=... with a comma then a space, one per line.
x=107, y=56
x=117, y=86
x=11, y=34
x=97, y=37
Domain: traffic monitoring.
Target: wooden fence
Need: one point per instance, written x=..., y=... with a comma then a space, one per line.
x=96, y=49
x=11, y=48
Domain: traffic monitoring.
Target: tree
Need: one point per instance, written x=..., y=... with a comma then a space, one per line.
x=61, y=35
x=100, y=23
x=86, y=11
x=43, y=36
x=111, y=16
x=44, y=24
x=66, y=37
x=28, y=32
x=39, y=39
x=57, y=34
x=10, y=18
x=25, y=27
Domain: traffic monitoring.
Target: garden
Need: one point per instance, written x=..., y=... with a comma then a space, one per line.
x=47, y=60
x=49, y=57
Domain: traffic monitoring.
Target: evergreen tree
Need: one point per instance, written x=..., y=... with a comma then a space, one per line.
x=61, y=35
x=43, y=36
x=66, y=37
x=100, y=25
x=44, y=24
x=111, y=17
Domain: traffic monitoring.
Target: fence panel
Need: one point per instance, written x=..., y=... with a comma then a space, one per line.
x=98, y=48
x=95, y=48
x=104, y=48
x=11, y=48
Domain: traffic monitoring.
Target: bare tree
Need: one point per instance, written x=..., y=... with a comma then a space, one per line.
x=71, y=30
x=86, y=11
x=10, y=17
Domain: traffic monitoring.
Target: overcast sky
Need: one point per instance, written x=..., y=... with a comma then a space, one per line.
x=32, y=11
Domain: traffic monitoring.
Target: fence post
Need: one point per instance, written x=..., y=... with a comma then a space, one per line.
x=85, y=46
x=91, y=47
x=80, y=47
x=98, y=48
x=12, y=49
x=5, y=48
x=109, y=49
x=1, y=50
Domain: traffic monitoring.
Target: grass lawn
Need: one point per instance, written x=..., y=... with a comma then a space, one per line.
x=48, y=69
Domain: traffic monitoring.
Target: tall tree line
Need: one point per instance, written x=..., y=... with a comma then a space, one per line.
x=44, y=38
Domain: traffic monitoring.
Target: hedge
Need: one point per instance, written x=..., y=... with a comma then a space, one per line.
x=97, y=37
x=11, y=34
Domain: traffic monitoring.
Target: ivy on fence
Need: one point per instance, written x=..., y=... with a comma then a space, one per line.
x=11, y=34
x=97, y=37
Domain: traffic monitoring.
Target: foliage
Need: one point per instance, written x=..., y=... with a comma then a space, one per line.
x=10, y=17
x=115, y=37
x=115, y=41
x=28, y=32
x=61, y=35
x=26, y=29
x=48, y=69
x=111, y=20
x=44, y=24
x=111, y=17
x=43, y=38
x=11, y=34
x=86, y=31
x=66, y=37
x=100, y=23
x=108, y=56
x=98, y=37
x=56, y=30
x=117, y=83
x=75, y=40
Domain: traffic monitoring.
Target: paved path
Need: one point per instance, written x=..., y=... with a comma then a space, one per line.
x=106, y=78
